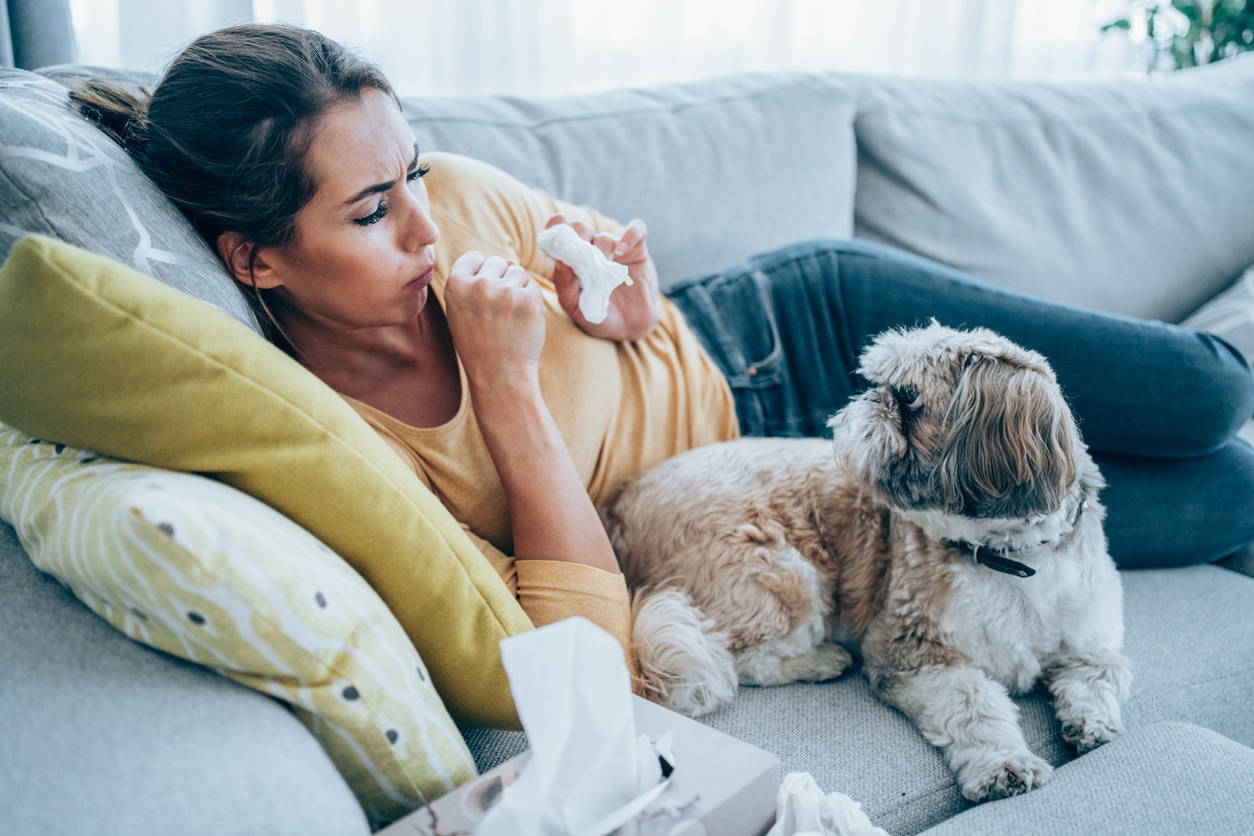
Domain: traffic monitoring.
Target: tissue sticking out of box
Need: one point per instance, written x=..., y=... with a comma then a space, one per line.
x=589, y=771
x=598, y=275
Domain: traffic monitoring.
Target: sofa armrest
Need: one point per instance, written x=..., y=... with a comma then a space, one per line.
x=105, y=735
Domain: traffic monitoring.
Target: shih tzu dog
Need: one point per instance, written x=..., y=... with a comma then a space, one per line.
x=954, y=539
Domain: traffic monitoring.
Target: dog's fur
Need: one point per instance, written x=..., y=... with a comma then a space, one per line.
x=754, y=560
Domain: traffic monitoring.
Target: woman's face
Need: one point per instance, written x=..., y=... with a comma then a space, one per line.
x=362, y=254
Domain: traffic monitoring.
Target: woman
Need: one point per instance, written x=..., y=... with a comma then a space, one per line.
x=413, y=287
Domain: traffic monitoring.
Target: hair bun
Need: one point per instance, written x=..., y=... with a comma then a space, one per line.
x=117, y=111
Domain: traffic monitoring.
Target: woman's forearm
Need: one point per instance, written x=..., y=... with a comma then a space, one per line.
x=550, y=512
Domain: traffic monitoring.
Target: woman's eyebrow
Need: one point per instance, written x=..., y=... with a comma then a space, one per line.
x=378, y=188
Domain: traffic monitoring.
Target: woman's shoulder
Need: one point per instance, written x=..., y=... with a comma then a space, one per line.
x=460, y=172
x=483, y=202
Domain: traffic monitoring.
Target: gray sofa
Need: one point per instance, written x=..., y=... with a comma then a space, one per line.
x=1128, y=196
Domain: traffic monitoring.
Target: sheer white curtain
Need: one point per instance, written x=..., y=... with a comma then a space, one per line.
x=458, y=47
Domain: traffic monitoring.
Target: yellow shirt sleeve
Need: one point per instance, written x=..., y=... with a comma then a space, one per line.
x=551, y=590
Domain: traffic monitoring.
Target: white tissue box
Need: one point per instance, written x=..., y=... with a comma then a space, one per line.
x=721, y=787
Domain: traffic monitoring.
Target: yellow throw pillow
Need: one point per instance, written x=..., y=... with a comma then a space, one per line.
x=206, y=573
x=99, y=356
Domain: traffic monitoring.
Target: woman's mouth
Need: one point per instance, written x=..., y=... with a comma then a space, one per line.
x=421, y=281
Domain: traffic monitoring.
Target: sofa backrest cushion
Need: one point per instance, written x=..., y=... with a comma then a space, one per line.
x=1121, y=195
x=63, y=177
x=718, y=170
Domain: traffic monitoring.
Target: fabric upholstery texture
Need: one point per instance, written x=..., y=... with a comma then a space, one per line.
x=829, y=729
x=91, y=716
x=1116, y=195
x=199, y=570
x=776, y=148
x=147, y=374
x=62, y=177
x=1163, y=778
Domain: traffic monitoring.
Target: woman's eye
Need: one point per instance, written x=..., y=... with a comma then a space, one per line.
x=374, y=217
x=418, y=173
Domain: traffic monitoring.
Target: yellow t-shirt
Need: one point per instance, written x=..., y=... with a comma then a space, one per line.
x=620, y=407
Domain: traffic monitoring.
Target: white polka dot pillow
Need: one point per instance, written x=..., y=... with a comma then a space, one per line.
x=199, y=570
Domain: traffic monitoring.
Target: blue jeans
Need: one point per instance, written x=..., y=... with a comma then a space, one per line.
x=1158, y=405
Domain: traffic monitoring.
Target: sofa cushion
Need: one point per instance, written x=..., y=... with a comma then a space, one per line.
x=1123, y=196
x=718, y=170
x=199, y=570
x=1164, y=778
x=144, y=373
x=1188, y=638
x=62, y=177
x=102, y=735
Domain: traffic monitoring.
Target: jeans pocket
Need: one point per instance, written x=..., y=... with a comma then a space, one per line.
x=734, y=317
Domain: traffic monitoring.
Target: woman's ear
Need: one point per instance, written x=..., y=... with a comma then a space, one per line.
x=246, y=262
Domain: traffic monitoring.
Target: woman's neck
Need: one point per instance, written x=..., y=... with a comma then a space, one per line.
x=407, y=371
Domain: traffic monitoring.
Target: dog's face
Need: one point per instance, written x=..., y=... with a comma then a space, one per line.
x=964, y=422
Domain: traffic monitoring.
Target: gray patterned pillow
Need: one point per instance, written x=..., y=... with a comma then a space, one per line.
x=62, y=177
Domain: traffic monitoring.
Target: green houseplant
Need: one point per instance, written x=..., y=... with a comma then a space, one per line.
x=1188, y=33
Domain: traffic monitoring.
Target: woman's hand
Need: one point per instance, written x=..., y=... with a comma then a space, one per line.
x=634, y=309
x=496, y=316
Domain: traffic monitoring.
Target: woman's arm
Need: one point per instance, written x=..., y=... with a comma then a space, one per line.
x=496, y=317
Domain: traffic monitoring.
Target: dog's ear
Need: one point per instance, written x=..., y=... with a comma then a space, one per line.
x=1010, y=450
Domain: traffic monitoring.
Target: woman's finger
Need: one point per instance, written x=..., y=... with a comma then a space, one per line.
x=585, y=231
x=493, y=267
x=468, y=262
x=632, y=235
x=516, y=275
x=606, y=243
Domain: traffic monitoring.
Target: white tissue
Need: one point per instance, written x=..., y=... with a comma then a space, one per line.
x=598, y=276
x=589, y=772
x=805, y=811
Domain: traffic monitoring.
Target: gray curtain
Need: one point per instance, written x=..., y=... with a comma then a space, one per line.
x=35, y=33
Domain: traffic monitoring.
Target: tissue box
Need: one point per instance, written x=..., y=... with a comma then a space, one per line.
x=721, y=787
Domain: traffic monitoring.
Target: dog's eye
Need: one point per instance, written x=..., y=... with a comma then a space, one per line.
x=910, y=400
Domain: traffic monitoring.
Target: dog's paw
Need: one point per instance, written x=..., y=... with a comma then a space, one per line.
x=1086, y=734
x=1012, y=774
x=826, y=661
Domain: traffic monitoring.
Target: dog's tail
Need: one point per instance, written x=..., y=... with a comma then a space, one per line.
x=685, y=664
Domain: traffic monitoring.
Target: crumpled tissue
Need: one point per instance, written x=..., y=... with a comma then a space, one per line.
x=598, y=275
x=804, y=810
x=589, y=772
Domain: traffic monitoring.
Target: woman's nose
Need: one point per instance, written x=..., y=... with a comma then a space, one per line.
x=419, y=230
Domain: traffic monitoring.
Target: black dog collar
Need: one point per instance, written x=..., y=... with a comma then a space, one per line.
x=997, y=562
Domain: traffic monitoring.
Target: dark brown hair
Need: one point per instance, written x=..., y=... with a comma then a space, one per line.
x=225, y=132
